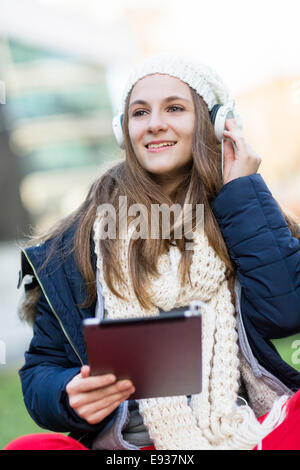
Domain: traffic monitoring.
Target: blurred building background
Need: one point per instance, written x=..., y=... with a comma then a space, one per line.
x=62, y=69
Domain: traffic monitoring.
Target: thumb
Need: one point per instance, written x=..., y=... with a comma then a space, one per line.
x=229, y=154
x=85, y=371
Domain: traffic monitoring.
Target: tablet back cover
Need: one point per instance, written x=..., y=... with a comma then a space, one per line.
x=162, y=356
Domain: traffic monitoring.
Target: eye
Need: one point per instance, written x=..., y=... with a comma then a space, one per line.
x=137, y=113
x=176, y=107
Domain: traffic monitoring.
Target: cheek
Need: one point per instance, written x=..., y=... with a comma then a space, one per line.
x=135, y=132
x=186, y=131
x=187, y=139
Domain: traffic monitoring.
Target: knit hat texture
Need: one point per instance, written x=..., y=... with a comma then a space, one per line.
x=203, y=79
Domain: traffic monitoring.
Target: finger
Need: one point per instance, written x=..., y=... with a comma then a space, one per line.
x=228, y=150
x=102, y=414
x=88, y=384
x=82, y=399
x=236, y=137
x=92, y=408
x=97, y=382
x=230, y=124
x=85, y=371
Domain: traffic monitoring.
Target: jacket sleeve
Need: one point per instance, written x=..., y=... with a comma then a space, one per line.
x=45, y=374
x=266, y=255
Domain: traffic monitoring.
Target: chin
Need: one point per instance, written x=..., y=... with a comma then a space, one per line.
x=160, y=167
x=161, y=170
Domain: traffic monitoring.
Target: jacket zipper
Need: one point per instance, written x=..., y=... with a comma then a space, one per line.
x=268, y=378
x=55, y=314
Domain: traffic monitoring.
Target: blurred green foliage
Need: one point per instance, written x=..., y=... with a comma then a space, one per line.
x=14, y=418
x=289, y=350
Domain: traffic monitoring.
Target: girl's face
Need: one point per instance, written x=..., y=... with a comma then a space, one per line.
x=161, y=111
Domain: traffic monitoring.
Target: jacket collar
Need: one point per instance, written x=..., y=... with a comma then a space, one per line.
x=62, y=284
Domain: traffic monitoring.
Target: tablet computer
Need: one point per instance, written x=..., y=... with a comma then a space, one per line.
x=161, y=355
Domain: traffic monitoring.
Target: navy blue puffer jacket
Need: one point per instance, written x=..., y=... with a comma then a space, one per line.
x=267, y=258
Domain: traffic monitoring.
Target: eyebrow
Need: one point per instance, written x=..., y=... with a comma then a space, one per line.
x=166, y=100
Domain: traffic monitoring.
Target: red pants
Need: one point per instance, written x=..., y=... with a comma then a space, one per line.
x=53, y=441
x=285, y=437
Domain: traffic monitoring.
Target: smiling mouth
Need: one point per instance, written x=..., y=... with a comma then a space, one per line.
x=160, y=146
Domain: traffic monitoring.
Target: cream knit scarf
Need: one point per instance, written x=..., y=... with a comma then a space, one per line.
x=211, y=420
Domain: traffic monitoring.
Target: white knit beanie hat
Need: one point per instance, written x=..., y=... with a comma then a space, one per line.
x=204, y=80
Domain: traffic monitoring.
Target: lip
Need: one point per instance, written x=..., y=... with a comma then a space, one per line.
x=161, y=149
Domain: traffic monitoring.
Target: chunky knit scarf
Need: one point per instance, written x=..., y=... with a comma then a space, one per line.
x=211, y=420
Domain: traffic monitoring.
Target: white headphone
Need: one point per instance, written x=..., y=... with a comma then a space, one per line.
x=117, y=128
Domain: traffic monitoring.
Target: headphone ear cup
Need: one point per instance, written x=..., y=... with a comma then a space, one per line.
x=218, y=115
x=117, y=129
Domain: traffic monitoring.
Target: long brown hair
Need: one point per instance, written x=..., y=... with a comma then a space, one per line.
x=202, y=182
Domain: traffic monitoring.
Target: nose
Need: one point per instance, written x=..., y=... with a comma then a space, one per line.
x=156, y=122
